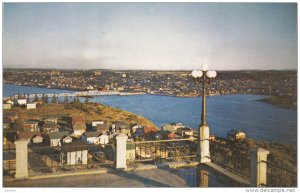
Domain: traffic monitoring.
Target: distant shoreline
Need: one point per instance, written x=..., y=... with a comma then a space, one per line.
x=282, y=101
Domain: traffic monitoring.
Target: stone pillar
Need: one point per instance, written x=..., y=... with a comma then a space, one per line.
x=259, y=157
x=21, y=159
x=204, y=144
x=121, y=151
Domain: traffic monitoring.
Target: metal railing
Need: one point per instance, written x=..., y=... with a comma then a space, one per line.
x=9, y=159
x=45, y=159
x=234, y=158
x=280, y=175
x=162, y=151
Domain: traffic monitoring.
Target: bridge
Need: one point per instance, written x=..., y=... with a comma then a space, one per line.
x=78, y=94
x=74, y=94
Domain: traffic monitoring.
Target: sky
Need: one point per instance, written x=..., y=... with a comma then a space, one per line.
x=150, y=36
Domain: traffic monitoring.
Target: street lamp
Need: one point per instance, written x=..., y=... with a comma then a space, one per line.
x=203, y=133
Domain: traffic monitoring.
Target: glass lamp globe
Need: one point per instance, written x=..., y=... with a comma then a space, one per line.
x=211, y=74
x=197, y=73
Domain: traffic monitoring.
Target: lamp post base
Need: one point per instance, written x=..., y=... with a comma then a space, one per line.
x=204, y=144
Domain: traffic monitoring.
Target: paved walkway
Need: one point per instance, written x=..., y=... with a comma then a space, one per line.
x=146, y=178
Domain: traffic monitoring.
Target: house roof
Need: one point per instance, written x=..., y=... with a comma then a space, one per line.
x=121, y=125
x=38, y=136
x=92, y=134
x=79, y=126
x=95, y=121
x=31, y=123
x=149, y=129
x=51, y=119
x=28, y=134
x=8, y=100
x=184, y=129
x=74, y=146
x=58, y=135
x=235, y=132
x=102, y=126
x=49, y=125
x=78, y=119
x=10, y=114
x=176, y=124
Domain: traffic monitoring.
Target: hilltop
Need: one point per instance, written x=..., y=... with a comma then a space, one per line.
x=90, y=111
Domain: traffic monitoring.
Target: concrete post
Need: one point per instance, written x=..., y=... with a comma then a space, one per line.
x=204, y=144
x=259, y=157
x=21, y=159
x=121, y=151
x=204, y=178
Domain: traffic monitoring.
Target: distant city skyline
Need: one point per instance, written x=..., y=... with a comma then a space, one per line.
x=150, y=36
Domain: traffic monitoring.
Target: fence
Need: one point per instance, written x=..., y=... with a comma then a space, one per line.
x=234, y=158
x=9, y=159
x=161, y=151
x=280, y=175
x=45, y=159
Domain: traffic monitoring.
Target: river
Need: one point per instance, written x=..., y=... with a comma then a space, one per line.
x=259, y=120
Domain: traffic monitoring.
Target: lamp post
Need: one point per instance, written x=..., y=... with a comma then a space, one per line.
x=202, y=76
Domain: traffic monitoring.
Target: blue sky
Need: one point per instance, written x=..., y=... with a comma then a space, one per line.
x=166, y=36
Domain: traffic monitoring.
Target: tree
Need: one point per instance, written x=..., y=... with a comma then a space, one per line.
x=45, y=99
x=54, y=99
x=86, y=100
x=36, y=98
x=18, y=125
x=77, y=100
x=66, y=99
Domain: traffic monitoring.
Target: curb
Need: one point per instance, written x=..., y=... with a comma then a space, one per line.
x=172, y=165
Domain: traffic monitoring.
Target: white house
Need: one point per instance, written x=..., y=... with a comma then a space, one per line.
x=103, y=139
x=172, y=126
x=79, y=128
x=7, y=106
x=236, y=135
x=74, y=153
x=91, y=137
x=9, y=101
x=56, y=138
x=37, y=139
x=95, y=123
x=67, y=139
x=185, y=132
x=31, y=126
x=22, y=101
x=31, y=106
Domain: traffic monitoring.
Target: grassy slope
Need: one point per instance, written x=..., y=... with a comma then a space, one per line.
x=281, y=154
x=90, y=111
x=283, y=101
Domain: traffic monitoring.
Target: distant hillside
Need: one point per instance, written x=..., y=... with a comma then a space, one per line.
x=283, y=101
